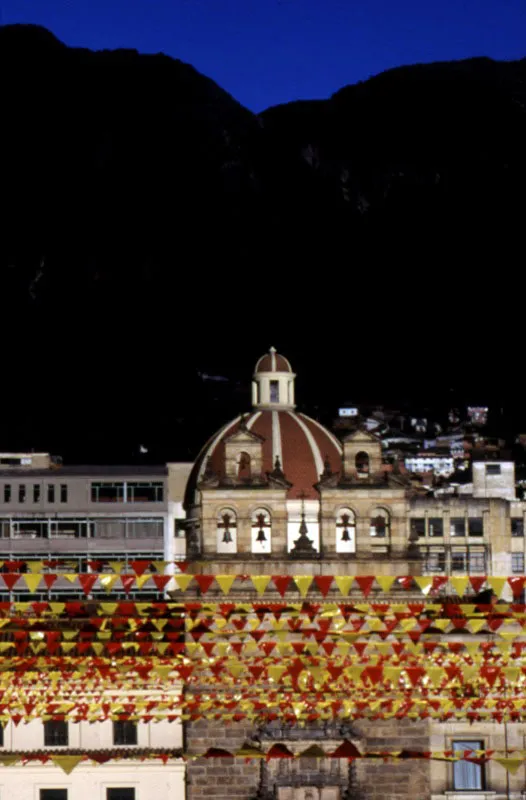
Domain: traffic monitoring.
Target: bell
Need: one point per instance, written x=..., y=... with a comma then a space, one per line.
x=345, y=536
x=261, y=536
x=227, y=536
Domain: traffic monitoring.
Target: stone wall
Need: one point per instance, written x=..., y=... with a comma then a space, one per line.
x=224, y=778
x=405, y=780
x=220, y=778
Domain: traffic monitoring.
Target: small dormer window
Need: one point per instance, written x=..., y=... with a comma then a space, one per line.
x=274, y=391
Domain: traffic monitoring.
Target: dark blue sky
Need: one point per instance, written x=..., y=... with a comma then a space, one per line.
x=270, y=51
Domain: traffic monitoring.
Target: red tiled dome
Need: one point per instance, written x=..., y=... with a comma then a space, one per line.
x=301, y=444
x=273, y=362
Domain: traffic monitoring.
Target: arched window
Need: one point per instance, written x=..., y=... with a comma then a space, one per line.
x=261, y=531
x=361, y=463
x=346, y=531
x=227, y=531
x=243, y=466
x=380, y=523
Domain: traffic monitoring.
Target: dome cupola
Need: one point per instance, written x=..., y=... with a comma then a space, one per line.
x=273, y=382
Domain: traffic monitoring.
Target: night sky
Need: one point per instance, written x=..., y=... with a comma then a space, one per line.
x=266, y=52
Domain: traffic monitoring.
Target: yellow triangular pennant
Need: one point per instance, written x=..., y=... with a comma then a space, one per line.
x=344, y=583
x=32, y=581
x=183, y=580
x=260, y=582
x=497, y=584
x=303, y=582
x=385, y=582
x=225, y=582
x=459, y=584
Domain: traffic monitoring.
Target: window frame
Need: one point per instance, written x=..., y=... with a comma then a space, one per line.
x=480, y=767
x=131, y=789
x=47, y=731
x=51, y=789
x=520, y=569
x=121, y=725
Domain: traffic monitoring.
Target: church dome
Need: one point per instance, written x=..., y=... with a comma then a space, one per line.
x=273, y=362
x=301, y=444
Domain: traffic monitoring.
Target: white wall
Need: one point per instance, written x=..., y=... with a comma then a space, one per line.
x=151, y=780
x=95, y=736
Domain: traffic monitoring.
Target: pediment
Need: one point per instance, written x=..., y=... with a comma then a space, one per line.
x=243, y=436
x=362, y=436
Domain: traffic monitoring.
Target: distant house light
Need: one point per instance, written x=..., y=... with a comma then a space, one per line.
x=347, y=412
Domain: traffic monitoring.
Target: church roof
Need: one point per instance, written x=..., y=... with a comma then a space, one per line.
x=300, y=443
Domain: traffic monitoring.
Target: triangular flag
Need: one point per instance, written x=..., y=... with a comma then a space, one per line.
x=107, y=581
x=303, y=583
x=140, y=580
x=365, y=582
x=344, y=583
x=86, y=581
x=497, y=584
x=424, y=582
x=116, y=566
x=510, y=764
x=32, y=581
x=225, y=582
x=281, y=582
x=324, y=583
x=385, y=582
x=260, y=583
x=67, y=763
x=49, y=579
x=204, y=582
x=183, y=581
x=35, y=566
x=459, y=584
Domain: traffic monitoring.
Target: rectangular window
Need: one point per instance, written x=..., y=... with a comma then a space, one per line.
x=22, y=493
x=436, y=526
x=144, y=492
x=458, y=561
x=458, y=526
x=53, y=794
x=120, y=794
x=517, y=563
x=418, y=526
x=7, y=492
x=107, y=492
x=36, y=493
x=477, y=562
x=517, y=527
x=1, y=735
x=467, y=775
x=274, y=391
x=63, y=493
x=55, y=734
x=124, y=732
x=434, y=561
x=51, y=492
x=492, y=469
x=475, y=527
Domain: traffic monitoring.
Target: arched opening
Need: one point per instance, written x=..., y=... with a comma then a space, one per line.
x=346, y=531
x=226, y=531
x=380, y=523
x=261, y=523
x=362, y=463
x=244, y=470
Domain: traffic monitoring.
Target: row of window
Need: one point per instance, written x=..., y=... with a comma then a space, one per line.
x=99, y=528
x=56, y=733
x=24, y=492
x=463, y=561
x=119, y=793
x=101, y=492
